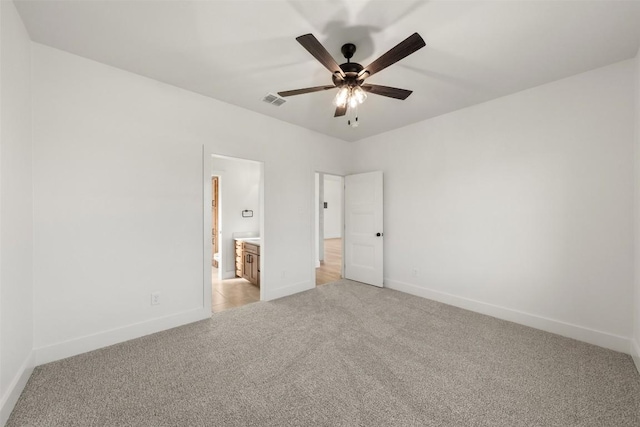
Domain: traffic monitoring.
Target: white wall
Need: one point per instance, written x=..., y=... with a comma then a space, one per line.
x=239, y=190
x=521, y=207
x=120, y=200
x=16, y=230
x=333, y=213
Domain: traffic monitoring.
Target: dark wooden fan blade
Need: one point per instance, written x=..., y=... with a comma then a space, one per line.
x=391, y=92
x=305, y=90
x=340, y=111
x=309, y=42
x=402, y=50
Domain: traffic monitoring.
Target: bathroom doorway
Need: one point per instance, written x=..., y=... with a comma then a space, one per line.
x=329, y=222
x=236, y=231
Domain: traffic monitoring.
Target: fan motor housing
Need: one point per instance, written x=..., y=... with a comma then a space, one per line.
x=351, y=70
x=351, y=67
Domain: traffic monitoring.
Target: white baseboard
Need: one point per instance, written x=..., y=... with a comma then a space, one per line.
x=87, y=343
x=12, y=394
x=285, y=291
x=580, y=333
x=228, y=275
x=635, y=353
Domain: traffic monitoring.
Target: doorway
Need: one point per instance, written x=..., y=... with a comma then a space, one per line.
x=236, y=227
x=356, y=252
x=329, y=221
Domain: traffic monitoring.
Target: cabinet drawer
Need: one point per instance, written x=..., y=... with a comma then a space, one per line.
x=251, y=249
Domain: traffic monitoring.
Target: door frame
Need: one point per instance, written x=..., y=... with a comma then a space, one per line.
x=315, y=242
x=207, y=247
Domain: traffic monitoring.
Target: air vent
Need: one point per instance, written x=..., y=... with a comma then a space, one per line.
x=272, y=99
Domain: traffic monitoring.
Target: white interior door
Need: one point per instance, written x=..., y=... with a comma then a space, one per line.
x=363, y=228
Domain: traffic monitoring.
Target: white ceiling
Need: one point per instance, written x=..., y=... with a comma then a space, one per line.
x=238, y=51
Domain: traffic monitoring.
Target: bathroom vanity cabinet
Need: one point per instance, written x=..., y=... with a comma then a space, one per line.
x=248, y=260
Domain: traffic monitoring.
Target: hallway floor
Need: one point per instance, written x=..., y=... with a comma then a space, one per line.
x=330, y=269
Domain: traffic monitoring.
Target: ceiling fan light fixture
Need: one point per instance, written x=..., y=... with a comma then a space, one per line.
x=341, y=97
x=353, y=102
x=359, y=94
x=350, y=95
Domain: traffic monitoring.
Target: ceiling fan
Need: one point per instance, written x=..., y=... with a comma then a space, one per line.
x=350, y=77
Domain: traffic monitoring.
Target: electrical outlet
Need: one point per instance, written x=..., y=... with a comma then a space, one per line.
x=155, y=298
x=284, y=274
x=414, y=272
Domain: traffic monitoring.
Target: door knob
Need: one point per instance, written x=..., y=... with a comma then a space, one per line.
x=379, y=234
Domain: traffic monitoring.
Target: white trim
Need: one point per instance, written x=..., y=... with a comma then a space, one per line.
x=315, y=259
x=580, y=333
x=91, y=342
x=635, y=353
x=207, y=248
x=288, y=290
x=10, y=398
x=226, y=275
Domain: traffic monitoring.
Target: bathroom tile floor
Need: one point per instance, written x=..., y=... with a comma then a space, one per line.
x=231, y=293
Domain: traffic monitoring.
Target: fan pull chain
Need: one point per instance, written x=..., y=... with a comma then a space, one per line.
x=352, y=117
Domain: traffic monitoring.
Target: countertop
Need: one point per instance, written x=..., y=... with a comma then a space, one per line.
x=252, y=240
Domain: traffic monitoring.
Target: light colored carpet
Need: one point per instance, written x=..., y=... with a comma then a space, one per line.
x=343, y=354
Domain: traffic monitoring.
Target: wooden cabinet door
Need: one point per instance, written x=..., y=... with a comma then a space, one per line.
x=246, y=266
x=251, y=263
x=250, y=270
x=257, y=264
